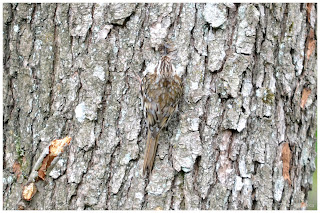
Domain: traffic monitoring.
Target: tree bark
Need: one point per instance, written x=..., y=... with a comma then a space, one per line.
x=244, y=134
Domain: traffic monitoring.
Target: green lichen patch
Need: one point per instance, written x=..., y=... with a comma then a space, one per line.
x=268, y=97
x=19, y=150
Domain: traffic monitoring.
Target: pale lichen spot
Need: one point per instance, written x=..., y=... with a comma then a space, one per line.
x=80, y=112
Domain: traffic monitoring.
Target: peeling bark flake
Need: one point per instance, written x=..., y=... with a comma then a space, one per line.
x=305, y=94
x=29, y=191
x=286, y=157
x=56, y=147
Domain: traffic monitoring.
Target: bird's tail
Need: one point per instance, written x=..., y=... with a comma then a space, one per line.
x=150, y=153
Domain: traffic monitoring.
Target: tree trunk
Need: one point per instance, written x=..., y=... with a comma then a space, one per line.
x=244, y=134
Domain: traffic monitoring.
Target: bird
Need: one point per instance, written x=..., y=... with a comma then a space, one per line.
x=161, y=90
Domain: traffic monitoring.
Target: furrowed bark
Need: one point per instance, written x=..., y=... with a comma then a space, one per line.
x=244, y=134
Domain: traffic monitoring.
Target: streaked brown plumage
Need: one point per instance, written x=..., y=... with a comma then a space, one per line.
x=161, y=91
